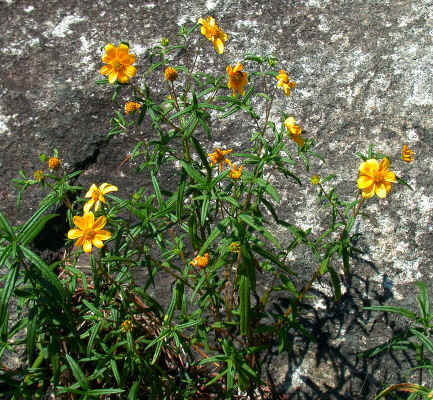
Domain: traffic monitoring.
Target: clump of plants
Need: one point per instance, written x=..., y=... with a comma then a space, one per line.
x=105, y=336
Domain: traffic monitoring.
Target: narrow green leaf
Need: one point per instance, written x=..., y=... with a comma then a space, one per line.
x=265, y=253
x=78, y=373
x=336, y=283
x=45, y=271
x=193, y=173
x=244, y=304
x=180, y=196
x=204, y=211
x=398, y=310
x=6, y=227
x=5, y=296
x=214, y=234
x=423, y=339
x=156, y=188
x=101, y=392
x=132, y=395
x=324, y=266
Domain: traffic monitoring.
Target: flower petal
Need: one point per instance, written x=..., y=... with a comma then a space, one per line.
x=364, y=181
x=381, y=191
x=369, y=167
x=88, y=205
x=106, y=188
x=88, y=219
x=87, y=246
x=105, y=70
x=384, y=164
x=389, y=176
x=218, y=45
x=99, y=223
x=130, y=71
x=90, y=191
x=103, y=235
x=368, y=192
x=97, y=243
x=98, y=202
x=112, y=77
x=74, y=233
x=80, y=222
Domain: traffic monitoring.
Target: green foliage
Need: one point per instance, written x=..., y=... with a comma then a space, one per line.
x=213, y=233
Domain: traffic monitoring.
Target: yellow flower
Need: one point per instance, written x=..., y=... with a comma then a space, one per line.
x=38, y=175
x=200, y=261
x=284, y=82
x=53, y=163
x=119, y=63
x=218, y=156
x=96, y=195
x=375, y=177
x=235, y=247
x=294, y=131
x=214, y=33
x=131, y=106
x=237, y=79
x=127, y=326
x=170, y=74
x=89, y=231
x=315, y=180
x=407, y=154
x=235, y=173
x=165, y=42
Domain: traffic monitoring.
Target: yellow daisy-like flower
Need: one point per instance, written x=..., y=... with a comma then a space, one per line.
x=127, y=326
x=170, y=74
x=407, y=154
x=219, y=156
x=96, y=195
x=375, y=178
x=213, y=33
x=200, y=261
x=235, y=173
x=89, y=231
x=53, y=163
x=132, y=106
x=237, y=79
x=284, y=82
x=39, y=175
x=294, y=131
x=315, y=180
x=119, y=63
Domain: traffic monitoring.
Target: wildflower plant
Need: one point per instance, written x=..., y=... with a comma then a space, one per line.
x=212, y=233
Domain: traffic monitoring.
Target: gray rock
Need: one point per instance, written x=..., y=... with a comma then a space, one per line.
x=363, y=72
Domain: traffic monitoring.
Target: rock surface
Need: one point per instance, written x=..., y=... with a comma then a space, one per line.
x=363, y=70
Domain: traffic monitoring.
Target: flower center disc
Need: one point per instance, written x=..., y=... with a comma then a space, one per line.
x=89, y=234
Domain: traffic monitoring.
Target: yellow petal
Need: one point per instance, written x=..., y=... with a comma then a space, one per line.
x=88, y=205
x=388, y=186
x=364, y=181
x=130, y=71
x=97, y=243
x=238, y=67
x=99, y=223
x=79, y=242
x=201, y=21
x=381, y=191
x=80, y=222
x=88, y=219
x=369, y=167
x=229, y=69
x=87, y=246
x=105, y=70
x=122, y=78
x=106, y=188
x=389, y=177
x=74, y=233
x=218, y=45
x=368, y=192
x=131, y=59
x=384, y=164
x=90, y=191
x=109, y=48
x=103, y=235
x=112, y=77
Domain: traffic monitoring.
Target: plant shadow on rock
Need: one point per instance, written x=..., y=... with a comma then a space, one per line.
x=333, y=366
